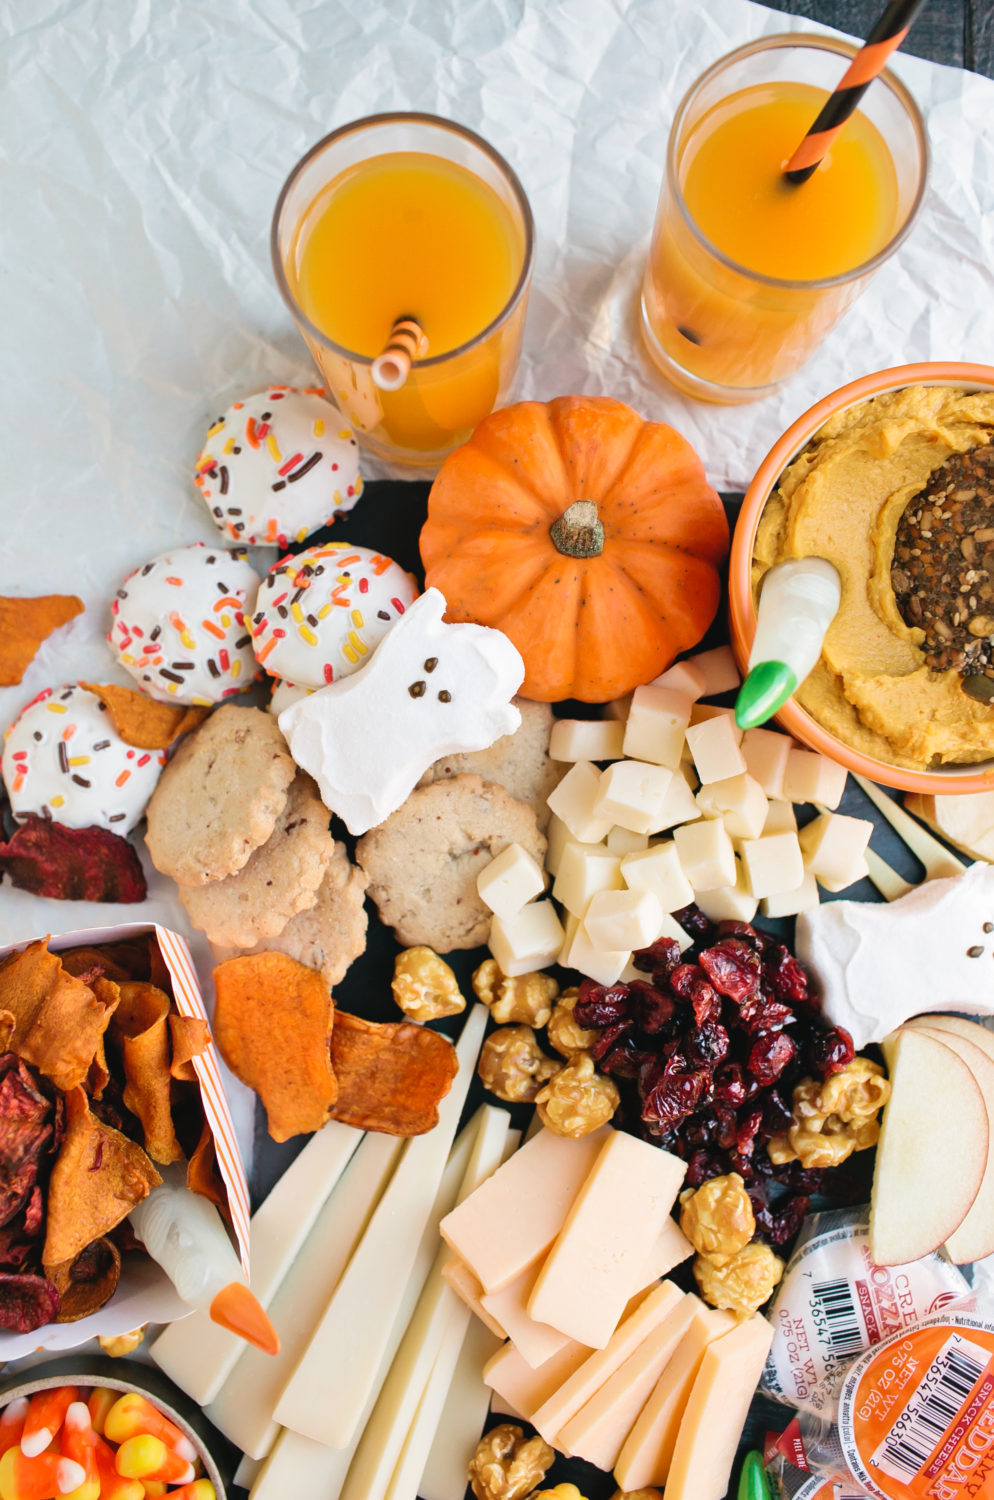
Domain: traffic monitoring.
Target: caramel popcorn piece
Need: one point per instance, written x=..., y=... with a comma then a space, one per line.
x=577, y=1100
x=513, y=1066
x=717, y=1218
x=562, y=1029
x=743, y=1282
x=526, y=999
x=506, y=1466
x=834, y=1118
x=424, y=986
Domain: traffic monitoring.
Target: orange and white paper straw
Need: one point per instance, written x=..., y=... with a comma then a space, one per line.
x=392, y=365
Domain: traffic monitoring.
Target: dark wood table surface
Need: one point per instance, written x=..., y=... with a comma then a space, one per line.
x=959, y=32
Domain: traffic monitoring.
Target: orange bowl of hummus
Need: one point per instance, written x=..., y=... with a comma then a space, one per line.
x=891, y=478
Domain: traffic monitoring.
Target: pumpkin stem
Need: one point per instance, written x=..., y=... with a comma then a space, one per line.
x=579, y=531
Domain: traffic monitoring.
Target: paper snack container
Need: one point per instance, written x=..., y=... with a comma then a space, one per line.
x=145, y=1294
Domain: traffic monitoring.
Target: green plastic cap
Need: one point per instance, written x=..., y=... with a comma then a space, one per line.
x=752, y=1481
x=766, y=689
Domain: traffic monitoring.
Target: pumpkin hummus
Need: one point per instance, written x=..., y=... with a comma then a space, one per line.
x=842, y=499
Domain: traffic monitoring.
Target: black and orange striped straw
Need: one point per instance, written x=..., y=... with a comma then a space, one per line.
x=870, y=60
x=392, y=365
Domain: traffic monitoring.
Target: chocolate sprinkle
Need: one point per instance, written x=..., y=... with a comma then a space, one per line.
x=279, y=485
x=224, y=490
x=381, y=614
x=117, y=817
x=80, y=780
x=63, y=757
x=213, y=667
x=102, y=745
x=975, y=951
x=171, y=676
x=305, y=468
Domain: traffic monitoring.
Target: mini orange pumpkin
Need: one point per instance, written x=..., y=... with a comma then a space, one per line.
x=586, y=534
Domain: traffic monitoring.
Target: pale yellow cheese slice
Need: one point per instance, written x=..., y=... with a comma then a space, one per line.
x=598, y=1431
x=716, y=1412
x=598, y=1260
x=535, y=1342
x=575, y=1392
x=468, y=1289
x=524, y=1389
x=646, y=1452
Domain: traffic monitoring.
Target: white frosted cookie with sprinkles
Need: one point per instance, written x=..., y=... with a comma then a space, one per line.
x=320, y=614
x=63, y=759
x=179, y=625
x=277, y=466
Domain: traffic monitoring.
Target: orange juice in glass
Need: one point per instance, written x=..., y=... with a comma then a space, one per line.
x=407, y=216
x=747, y=272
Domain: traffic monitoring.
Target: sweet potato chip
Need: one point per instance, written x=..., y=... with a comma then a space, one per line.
x=72, y=864
x=190, y=1037
x=391, y=1075
x=271, y=1022
x=84, y=961
x=142, y=721
x=140, y=1029
x=203, y=1175
x=98, y=1177
x=24, y=624
x=58, y=1019
x=87, y=1282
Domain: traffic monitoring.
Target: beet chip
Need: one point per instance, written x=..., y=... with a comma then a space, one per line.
x=26, y=1130
x=27, y=1302
x=72, y=864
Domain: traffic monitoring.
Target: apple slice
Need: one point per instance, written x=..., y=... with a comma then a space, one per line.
x=970, y=1031
x=975, y=1236
x=932, y=1153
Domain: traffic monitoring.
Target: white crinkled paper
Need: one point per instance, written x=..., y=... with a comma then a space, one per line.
x=143, y=148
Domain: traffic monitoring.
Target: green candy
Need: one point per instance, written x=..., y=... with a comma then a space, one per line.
x=752, y=1480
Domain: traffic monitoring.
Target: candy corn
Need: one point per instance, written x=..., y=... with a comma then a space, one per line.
x=99, y=1403
x=39, y=1478
x=199, y=1489
x=12, y=1423
x=77, y=1442
x=133, y=1416
x=147, y=1457
x=45, y=1415
x=114, y=1486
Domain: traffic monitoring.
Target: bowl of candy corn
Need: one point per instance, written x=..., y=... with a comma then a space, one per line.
x=101, y=1429
x=873, y=478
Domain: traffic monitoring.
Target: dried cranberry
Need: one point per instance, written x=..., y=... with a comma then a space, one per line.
x=694, y=923
x=733, y=968
x=830, y=1051
x=731, y=1086
x=707, y=1046
x=702, y=1166
x=684, y=977
x=758, y=1016
x=601, y=1005
x=785, y=975
x=651, y=1008
x=748, y=1129
x=661, y=957
x=769, y=1056
x=603, y=1043
x=676, y=1095
x=704, y=998
x=752, y=935
x=788, y=1218
x=777, y=1118
x=623, y=1060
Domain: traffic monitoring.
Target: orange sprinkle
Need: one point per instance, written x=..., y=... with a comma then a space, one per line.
x=227, y=599
x=264, y=651
x=120, y=780
x=177, y=583
x=271, y=532
x=209, y=625
x=250, y=434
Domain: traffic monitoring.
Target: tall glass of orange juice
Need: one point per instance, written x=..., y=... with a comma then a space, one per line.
x=747, y=272
x=407, y=216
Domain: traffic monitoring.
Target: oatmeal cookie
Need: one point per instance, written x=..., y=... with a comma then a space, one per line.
x=518, y=762
x=281, y=878
x=219, y=797
x=331, y=933
x=423, y=861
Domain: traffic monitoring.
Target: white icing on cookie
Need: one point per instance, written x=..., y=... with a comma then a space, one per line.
x=321, y=614
x=64, y=760
x=430, y=690
x=277, y=466
x=179, y=625
x=285, y=694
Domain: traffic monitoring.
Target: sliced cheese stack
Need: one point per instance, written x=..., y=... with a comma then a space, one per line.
x=666, y=763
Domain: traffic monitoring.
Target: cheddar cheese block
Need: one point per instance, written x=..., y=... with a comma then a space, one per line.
x=525, y=1389
x=468, y=1289
x=535, y=1342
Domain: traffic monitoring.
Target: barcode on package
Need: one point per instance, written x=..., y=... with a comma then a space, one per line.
x=840, y=1331
x=932, y=1410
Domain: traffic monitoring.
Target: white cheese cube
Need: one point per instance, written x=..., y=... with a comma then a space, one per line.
x=586, y=739
x=834, y=845
x=780, y=818
x=811, y=777
x=573, y=801
x=623, y=841
x=683, y=677
x=510, y=881
x=629, y=974
x=773, y=863
x=729, y=903
x=715, y=749
x=706, y=854
x=687, y=770
x=671, y=928
x=632, y=793
x=618, y=708
x=721, y=674
x=765, y=756
x=528, y=941
x=738, y=801
x=557, y=836
x=623, y=919
x=601, y=965
x=857, y=871
x=659, y=870
x=678, y=805
x=702, y=712
x=657, y=722
x=585, y=869
x=791, y=903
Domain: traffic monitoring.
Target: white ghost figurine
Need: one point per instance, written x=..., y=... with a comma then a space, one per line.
x=430, y=690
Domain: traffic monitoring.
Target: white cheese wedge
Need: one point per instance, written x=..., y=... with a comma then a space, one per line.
x=603, y=965
x=858, y=871
x=772, y=863
x=765, y=754
x=593, y=1268
x=648, y=1449
x=780, y=817
x=575, y=1392
x=810, y=777
x=669, y=1250
x=327, y=1392
x=585, y=869
x=535, y=1342
x=658, y=870
x=573, y=801
x=656, y=724
x=729, y=903
x=197, y=1353
x=707, y=856
x=509, y=1222
x=623, y=920
x=586, y=739
x=528, y=941
x=721, y=675
x=598, y=1431
x=703, y=713
x=557, y=836
x=834, y=845
x=462, y=1419
x=468, y=1289
x=791, y=903
x=243, y=1408
x=679, y=805
x=716, y=1412
x=510, y=881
